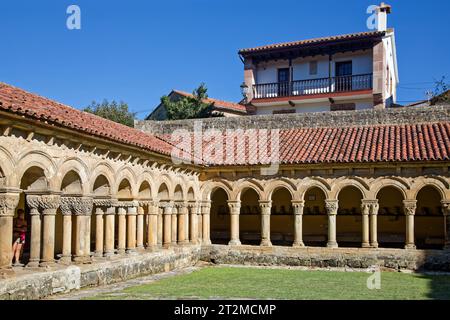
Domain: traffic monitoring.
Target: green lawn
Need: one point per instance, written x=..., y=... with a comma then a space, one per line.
x=231, y=282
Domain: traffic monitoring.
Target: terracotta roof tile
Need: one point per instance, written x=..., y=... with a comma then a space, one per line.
x=291, y=44
x=22, y=102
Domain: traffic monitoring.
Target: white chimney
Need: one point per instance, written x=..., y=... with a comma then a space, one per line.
x=382, y=11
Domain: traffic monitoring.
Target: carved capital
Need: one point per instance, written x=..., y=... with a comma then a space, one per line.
x=99, y=212
x=82, y=206
x=206, y=205
x=298, y=206
x=410, y=207
x=446, y=208
x=332, y=207
x=8, y=203
x=235, y=207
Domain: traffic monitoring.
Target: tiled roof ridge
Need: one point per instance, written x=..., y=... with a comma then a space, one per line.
x=311, y=40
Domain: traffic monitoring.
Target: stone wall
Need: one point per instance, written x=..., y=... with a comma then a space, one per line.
x=43, y=284
x=317, y=119
x=393, y=259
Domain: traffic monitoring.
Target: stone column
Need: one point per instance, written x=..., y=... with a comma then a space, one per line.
x=298, y=206
x=332, y=207
x=122, y=232
x=265, y=223
x=187, y=222
x=174, y=225
x=33, y=202
x=446, y=211
x=140, y=229
x=131, y=229
x=199, y=224
x=152, y=227
x=109, y=231
x=235, y=207
x=167, y=213
x=365, y=211
x=82, y=207
x=49, y=204
x=181, y=207
x=99, y=232
x=8, y=204
x=66, y=210
x=206, y=209
x=374, y=224
x=194, y=223
x=160, y=227
x=410, y=211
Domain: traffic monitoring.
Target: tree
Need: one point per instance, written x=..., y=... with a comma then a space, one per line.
x=117, y=112
x=190, y=107
x=441, y=93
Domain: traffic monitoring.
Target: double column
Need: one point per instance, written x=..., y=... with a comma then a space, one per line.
x=104, y=227
x=235, y=208
x=8, y=203
x=45, y=205
x=410, y=207
x=152, y=226
x=182, y=211
x=82, y=209
x=266, y=206
x=369, y=210
x=193, y=221
x=298, y=206
x=167, y=208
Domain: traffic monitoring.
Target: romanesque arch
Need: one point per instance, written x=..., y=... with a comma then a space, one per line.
x=219, y=216
x=7, y=173
x=124, y=190
x=315, y=221
x=349, y=217
x=126, y=174
x=429, y=219
x=281, y=216
x=250, y=214
x=105, y=172
x=391, y=216
x=101, y=186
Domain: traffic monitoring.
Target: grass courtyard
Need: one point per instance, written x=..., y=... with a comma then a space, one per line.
x=262, y=283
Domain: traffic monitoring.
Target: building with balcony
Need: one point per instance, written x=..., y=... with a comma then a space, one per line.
x=346, y=72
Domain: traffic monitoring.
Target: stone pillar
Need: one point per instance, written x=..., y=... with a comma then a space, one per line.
x=33, y=202
x=82, y=207
x=410, y=211
x=174, y=225
x=66, y=210
x=152, y=227
x=199, y=224
x=8, y=204
x=167, y=213
x=187, y=222
x=109, y=231
x=235, y=207
x=194, y=223
x=99, y=232
x=298, y=206
x=131, y=229
x=160, y=215
x=49, y=204
x=206, y=209
x=265, y=223
x=140, y=229
x=332, y=207
x=374, y=224
x=181, y=207
x=446, y=211
x=122, y=232
x=365, y=211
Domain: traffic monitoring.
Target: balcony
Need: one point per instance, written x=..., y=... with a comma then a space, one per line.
x=340, y=84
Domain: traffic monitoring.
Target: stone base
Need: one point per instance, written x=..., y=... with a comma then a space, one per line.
x=410, y=247
x=366, y=245
x=374, y=245
x=332, y=244
x=207, y=242
x=234, y=243
x=298, y=244
x=266, y=243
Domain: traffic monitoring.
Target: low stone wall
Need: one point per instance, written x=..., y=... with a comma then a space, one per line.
x=395, y=259
x=38, y=285
x=301, y=120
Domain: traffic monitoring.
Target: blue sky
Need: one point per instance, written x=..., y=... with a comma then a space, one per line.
x=138, y=50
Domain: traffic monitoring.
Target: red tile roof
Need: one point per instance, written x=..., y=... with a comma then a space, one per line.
x=218, y=103
x=21, y=102
x=283, y=45
x=358, y=144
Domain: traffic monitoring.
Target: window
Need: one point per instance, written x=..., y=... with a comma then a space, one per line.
x=313, y=68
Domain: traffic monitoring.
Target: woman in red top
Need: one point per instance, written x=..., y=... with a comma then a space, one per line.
x=20, y=230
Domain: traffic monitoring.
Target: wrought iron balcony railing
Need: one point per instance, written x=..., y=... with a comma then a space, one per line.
x=313, y=86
